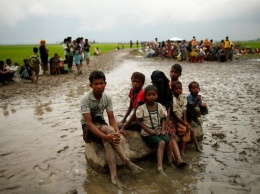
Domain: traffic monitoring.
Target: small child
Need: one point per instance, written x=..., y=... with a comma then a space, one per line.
x=35, y=62
x=136, y=95
x=195, y=107
x=200, y=55
x=56, y=63
x=161, y=82
x=193, y=55
x=175, y=73
x=183, y=127
x=151, y=117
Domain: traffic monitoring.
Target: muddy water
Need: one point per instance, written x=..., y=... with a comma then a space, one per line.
x=42, y=149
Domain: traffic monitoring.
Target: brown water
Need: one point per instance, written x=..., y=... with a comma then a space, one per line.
x=42, y=150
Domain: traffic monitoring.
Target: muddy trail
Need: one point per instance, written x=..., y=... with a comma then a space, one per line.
x=42, y=150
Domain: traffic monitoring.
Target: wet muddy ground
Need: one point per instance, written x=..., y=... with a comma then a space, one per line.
x=41, y=146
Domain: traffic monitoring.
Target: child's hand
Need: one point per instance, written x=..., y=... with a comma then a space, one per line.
x=198, y=98
x=152, y=132
x=116, y=138
x=204, y=104
x=124, y=133
x=163, y=132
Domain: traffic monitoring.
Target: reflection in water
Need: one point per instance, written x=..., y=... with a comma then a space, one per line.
x=40, y=108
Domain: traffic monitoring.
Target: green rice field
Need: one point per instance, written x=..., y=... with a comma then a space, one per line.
x=19, y=52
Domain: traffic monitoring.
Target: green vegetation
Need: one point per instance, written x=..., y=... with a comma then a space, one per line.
x=19, y=52
x=251, y=44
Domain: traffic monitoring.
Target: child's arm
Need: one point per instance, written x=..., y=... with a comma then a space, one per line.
x=130, y=120
x=192, y=103
x=112, y=120
x=163, y=126
x=182, y=121
x=130, y=108
x=108, y=137
x=148, y=130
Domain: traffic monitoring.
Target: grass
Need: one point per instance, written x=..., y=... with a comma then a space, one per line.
x=19, y=52
x=253, y=44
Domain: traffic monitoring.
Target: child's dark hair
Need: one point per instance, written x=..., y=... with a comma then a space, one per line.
x=149, y=88
x=7, y=60
x=35, y=50
x=175, y=83
x=191, y=83
x=24, y=60
x=177, y=67
x=138, y=75
x=2, y=62
x=97, y=75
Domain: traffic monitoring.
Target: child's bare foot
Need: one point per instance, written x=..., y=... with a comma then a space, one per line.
x=133, y=167
x=182, y=153
x=171, y=164
x=117, y=182
x=161, y=172
x=181, y=164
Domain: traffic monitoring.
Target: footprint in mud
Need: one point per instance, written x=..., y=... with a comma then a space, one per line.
x=220, y=135
x=40, y=108
x=63, y=150
x=215, y=145
x=41, y=170
x=63, y=136
x=6, y=154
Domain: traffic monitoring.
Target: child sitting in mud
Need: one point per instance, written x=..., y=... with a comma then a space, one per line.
x=93, y=105
x=182, y=126
x=195, y=107
x=136, y=95
x=161, y=82
x=151, y=117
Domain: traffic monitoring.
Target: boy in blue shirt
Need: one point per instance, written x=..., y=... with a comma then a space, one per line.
x=195, y=107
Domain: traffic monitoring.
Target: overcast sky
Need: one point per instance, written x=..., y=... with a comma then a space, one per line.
x=29, y=21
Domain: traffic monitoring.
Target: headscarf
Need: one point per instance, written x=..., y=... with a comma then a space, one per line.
x=160, y=80
x=42, y=42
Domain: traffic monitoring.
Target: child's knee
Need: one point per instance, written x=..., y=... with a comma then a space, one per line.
x=161, y=144
x=110, y=129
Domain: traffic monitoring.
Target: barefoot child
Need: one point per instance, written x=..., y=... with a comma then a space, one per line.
x=161, y=82
x=93, y=104
x=136, y=95
x=151, y=117
x=35, y=63
x=195, y=107
x=183, y=128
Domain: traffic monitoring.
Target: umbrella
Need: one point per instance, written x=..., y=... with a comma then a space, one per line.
x=176, y=39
